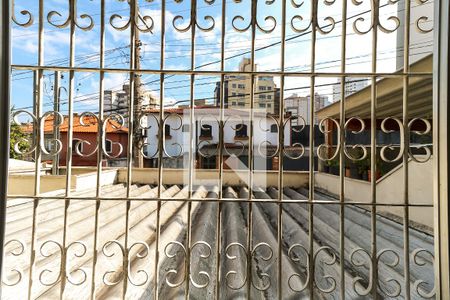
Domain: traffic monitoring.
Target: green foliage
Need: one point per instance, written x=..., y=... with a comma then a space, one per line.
x=17, y=136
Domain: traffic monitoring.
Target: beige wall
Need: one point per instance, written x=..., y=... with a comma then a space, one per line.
x=23, y=184
x=390, y=190
x=230, y=177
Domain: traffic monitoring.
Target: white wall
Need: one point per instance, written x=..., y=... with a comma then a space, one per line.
x=262, y=134
x=389, y=190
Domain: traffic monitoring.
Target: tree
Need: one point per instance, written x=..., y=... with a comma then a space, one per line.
x=17, y=136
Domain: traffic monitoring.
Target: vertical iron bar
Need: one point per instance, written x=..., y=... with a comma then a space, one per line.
x=72, y=16
x=406, y=69
x=441, y=83
x=221, y=144
x=312, y=151
x=160, y=146
x=5, y=77
x=192, y=147
x=56, y=108
x=38, y=111
x=281, y=137
x=131, y=102
x=100, y=137
x=341, y=152
x=373, y=149
x=254, y=10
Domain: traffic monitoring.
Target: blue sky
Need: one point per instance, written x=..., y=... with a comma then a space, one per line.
x=207, y=46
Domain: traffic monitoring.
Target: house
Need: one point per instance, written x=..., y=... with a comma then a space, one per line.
x=85, y=140
x=236, y=134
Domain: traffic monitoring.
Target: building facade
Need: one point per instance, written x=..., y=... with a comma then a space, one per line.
x=238, y=91
x=352, y=85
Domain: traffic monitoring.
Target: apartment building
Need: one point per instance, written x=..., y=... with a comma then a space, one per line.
x=237, y=91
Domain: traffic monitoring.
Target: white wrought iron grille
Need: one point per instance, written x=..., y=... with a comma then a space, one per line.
x=147, y=185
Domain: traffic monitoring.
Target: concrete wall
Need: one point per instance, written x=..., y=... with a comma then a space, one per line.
x=390, y=190
x=23, y=184
x=210, y=177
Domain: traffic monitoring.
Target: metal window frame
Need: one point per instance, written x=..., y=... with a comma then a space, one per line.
x=440, y=114
x=440, y=140
x=5, y=69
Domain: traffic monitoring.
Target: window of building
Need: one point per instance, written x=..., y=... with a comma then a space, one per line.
x=241, y=130
x=262, y=96
x=241, y=104
x=269, y=97
x=269, y=88
x=234, y=85
x=167, y=130
x=273, y=128
x=262, y=88
x=262, y=105
x=269, y=105
x=233, y=103
x=76, y=146
x=185, y=128
x=205, y=130
x=108, y=146
x=233, y=94
x=241, y=86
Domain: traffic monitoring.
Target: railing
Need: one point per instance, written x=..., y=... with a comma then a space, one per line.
x=257, y=236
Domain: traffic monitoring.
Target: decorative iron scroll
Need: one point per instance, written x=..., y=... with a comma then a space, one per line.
x=330, y=260
x=147, y=21
x=370, y=282
x=30, y=18
x=16, y=251
x=420, y=284
x=37, y=125
x=206, y=253
x=178, y=19
x=270, y=20
x=255, y=255
x=421, y=20
x=64, y=271
x=71, y=17
x=314, y=19
x=375, y=22
x=141, y=252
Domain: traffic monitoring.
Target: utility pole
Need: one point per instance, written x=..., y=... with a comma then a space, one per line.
x=138, y=159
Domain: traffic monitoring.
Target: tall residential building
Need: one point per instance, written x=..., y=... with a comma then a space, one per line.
x=352, y=85
x=238, y=90
x=117, y=101
x=300, y=106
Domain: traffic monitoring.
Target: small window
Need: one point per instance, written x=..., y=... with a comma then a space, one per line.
x=262, y=105
x=233, y=103
x=205, y=130
x=241, y=130
x=262, y=96
x=234, y=85
x=241, y=86
x=108, y=146
x=269, y=97
x=166, y=130
x=74, y=146
x=273, y=128
x=269, y=105
x=241, y=104
x=233, y=94
x=269, y=88
x=262, y=88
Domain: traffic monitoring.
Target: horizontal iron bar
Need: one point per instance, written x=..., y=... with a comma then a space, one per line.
x=223, y=200
x=218, y=73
